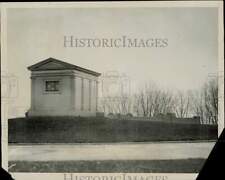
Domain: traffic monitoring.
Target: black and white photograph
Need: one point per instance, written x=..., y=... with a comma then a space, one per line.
x=115, y=89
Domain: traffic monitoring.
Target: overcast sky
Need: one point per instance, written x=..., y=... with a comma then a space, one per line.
x=36, y=34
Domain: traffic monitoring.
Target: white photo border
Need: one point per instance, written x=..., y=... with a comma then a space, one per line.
x=131, y=4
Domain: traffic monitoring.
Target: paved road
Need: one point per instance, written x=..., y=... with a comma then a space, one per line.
x=132, y=151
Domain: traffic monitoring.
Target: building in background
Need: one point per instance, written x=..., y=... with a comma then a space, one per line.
x=62, y=89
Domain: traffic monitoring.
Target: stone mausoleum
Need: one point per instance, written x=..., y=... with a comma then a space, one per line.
x=62, y=89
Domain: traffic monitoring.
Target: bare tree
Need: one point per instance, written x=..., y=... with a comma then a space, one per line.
x=181, y=104
x=145, y=99
x=197, y=105
x=210, y=91
x=151, y=101
x=205, y=102
x=136, y=105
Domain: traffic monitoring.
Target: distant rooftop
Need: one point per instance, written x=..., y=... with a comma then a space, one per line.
x=55, y=64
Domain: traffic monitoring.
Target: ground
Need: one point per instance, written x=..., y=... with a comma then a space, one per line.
x=102, y=130
x=69, y=144
x=109, y=166
x=115, y=157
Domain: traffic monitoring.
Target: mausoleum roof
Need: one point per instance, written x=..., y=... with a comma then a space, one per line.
x=55, y=64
